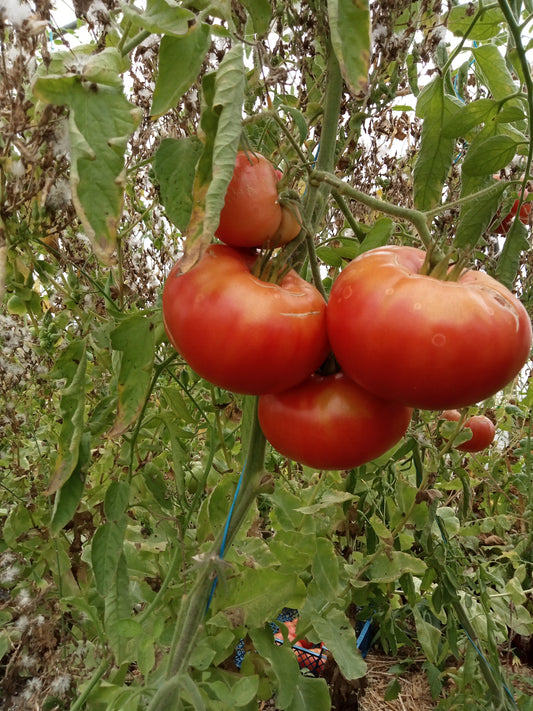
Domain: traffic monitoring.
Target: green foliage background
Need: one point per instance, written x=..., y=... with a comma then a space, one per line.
x=119, y=464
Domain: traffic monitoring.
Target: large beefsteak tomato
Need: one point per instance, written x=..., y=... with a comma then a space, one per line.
x=329, y=422
x=242, y=333
x=252, y=213
x=422, y=341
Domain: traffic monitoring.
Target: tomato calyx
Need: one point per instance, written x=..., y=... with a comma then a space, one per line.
x=271, y=267
x=448, y=270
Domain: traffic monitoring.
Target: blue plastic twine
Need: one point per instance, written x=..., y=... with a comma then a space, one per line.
x=225, y=535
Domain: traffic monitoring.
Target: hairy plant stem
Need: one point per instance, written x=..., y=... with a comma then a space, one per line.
x=135, y=41
x=194, y=604
x=314, y=203
x=514, y=29
x=97, y=675
x=315, y=200
x=415, y=217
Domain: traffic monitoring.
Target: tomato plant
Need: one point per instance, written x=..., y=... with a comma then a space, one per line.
x=483, y=430
x=422, y=341
x=329, y=422
x=242, y=333
x=252, y=213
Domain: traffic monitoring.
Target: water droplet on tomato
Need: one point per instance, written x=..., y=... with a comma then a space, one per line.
x=439, y=340
x=417, y=306
x=347, y=292
x=389, y=291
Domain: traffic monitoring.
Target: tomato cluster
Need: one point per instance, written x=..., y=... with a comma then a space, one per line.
x=403, y=339
x=482, y=430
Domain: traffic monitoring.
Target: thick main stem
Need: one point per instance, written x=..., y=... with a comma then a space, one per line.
x=317, y=194
x=194, y=604
x=415, y=217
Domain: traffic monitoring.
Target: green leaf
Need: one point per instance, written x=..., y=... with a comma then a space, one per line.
x=174, y=167
x=146, y=656
x=135, y=339
x=436, y=149
x=101, y=122
x=298, y=118
x=349, y=24
x=338, y=636
x=179, y=455
x=106, y=551
x=511, y=113
x=69, y=495
x=393, y=690
x=389, y=567
x=259, y=594
x=117, y=608
x=116, y=500
x=428, y=635
x=489, y=155
x=330, y=256
x=283, y=661
x=222, y=99
x=186, y=52
x=378, y=235
x=17, y=523
x=326, y=501
x=162, y=17
x=488, y=24
x=516, y=242
x=309, y=695
x=106, y=67
x=295, y=692
x=494, y=72
x=244, y=690
x=155, y=483
x=476, y=216
x=72, y=365
x=447, y=518
x=470, y=116
x=326, y=570
x=434, y=679
x=261, y=14
x=227, y=102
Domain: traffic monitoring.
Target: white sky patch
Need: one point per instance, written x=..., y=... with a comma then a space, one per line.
x=16, y=11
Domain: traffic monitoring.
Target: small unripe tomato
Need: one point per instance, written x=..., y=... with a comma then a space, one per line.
x=289, y=229
x=483, y=430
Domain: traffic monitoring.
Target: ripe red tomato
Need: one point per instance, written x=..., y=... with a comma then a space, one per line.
x=422, y=341
x=251, y=214
x=502, y=226
x=483, y=430
x=241, y=333
x=329, y=422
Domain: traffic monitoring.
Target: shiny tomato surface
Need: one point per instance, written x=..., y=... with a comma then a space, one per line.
x=241, y=333
x=422, y=341
x=483, y=430
x=251, y=214
x=329, y=422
